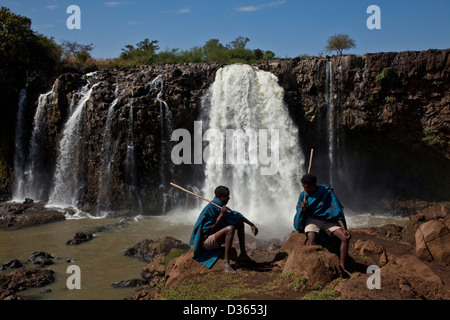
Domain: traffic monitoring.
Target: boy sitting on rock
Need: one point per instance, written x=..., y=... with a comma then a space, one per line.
x=318, y=209
x=216, y=226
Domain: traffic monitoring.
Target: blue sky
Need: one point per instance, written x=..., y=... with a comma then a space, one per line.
x=287, y=27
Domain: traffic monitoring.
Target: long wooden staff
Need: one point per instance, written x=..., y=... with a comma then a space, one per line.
x=194, y=194
x=309, y=169
x=310, y=161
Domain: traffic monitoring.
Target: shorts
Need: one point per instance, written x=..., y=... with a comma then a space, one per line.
x=315, y=225
x=210, y=243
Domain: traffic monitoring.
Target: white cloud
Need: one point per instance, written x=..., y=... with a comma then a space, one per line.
x=261, y=6
x=184, y=10
x=51, y=7
x=111, y=3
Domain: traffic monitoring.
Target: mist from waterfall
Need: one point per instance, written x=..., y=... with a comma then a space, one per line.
x=247, y=100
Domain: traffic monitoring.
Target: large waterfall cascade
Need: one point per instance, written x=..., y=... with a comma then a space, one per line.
x=69, y=182
x=248, y=103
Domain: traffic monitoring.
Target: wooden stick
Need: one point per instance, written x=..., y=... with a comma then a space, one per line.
x=310, y=161
x=309, y=170
x=194, y=194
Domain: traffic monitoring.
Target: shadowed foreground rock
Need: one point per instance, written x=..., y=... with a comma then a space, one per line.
x=23, y=279
x=15, y=216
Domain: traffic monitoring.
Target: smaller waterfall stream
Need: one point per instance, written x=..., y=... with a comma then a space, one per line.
x=31, y=182
x=329, y=99
x=20, y=146
x=166, y=165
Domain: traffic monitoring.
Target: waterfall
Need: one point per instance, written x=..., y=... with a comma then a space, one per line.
x=32, y=183
x=69, y=180
x=249, y=120
x=108, y=150
x=130, y=163
x=331, y=121
x=166, y=165
x=20, y=146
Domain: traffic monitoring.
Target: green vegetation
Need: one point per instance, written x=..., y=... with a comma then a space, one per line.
x=386, y=77
x=432, y=138
x=225, y=288
x=390, y=99
x=339, y=43
x=27, y=57
x=172, y=255
x=437, y=84
x=331, y=294
x=146, y=53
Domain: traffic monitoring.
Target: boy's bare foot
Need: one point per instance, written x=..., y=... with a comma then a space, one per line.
x=346, y=271
x=228, y=268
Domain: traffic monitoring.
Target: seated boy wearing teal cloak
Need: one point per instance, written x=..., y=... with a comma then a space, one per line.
x=318, y=209
x=216, y=226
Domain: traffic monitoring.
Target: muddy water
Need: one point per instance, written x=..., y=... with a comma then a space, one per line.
x=101, y=260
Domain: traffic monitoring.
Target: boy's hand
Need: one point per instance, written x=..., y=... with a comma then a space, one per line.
x=254, y=230
x=304, y=206
x=223, y=210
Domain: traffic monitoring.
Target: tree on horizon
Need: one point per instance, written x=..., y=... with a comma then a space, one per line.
x=339, y=43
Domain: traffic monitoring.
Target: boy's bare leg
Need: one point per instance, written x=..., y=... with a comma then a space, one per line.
x=241, y=236
x=312, y=238
x=225, y=236
x=343, y=248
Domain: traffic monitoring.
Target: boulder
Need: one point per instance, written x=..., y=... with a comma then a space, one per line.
x=15, y=216
x=80, y=237
x=41, y=258
x=147, y=249
x=12, y=264
x=22, y=279
x=315, y=262
x=404, y=278
x=433, y=241
x=372, y=249
x=185, y=267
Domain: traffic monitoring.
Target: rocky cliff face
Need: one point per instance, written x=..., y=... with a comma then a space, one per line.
x=382, y=121
x=391, y=120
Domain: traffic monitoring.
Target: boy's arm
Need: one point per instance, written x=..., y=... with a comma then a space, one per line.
x=215, y=227
x=252, y=225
